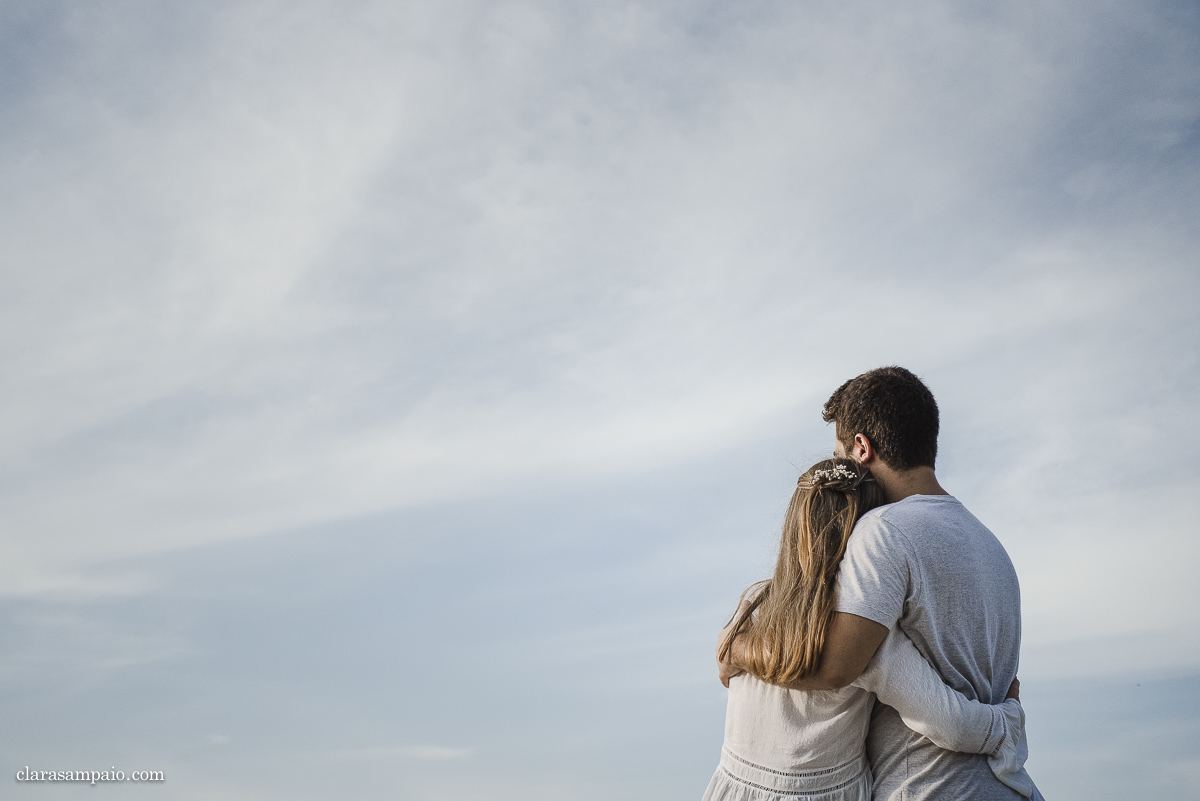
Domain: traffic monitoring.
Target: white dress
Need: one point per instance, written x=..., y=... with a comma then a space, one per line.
x=786, y=745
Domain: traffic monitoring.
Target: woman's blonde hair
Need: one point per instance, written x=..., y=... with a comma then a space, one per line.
x=784, y=620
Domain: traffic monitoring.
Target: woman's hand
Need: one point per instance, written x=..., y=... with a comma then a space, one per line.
x=728, y=668
x=1014, y=690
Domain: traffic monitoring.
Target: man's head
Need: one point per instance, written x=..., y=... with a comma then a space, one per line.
x=893, y=410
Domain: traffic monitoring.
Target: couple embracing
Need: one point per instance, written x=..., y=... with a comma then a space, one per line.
x=880, y=660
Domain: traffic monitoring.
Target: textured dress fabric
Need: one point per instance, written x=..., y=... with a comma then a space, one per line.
x=739, y=780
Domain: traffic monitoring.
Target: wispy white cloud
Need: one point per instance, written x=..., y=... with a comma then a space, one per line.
x=79, y=651
x=437, y=753
x=374, y=258
x=303, y=262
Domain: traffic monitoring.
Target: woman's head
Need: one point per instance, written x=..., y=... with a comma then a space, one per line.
x=785, y=637
x=829, y=498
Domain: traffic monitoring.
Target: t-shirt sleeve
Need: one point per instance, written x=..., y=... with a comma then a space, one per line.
x=874, y=576
x=902, y=679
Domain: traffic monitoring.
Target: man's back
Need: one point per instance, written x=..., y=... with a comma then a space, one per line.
x=931, y=566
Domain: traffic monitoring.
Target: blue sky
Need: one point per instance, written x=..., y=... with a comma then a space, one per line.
x=397, y=397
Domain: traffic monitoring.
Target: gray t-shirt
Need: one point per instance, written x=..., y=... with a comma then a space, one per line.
x=931, y=566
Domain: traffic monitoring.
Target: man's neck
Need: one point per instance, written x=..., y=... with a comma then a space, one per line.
x=900, y=484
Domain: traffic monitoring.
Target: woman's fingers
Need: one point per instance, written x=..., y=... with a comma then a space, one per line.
x=1014, y=690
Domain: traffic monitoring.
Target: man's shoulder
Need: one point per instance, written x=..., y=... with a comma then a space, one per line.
x=876, y=533
x=887, y=521
x=874, y=576
x=910, y=524
x=918, y=512
x=932, y=530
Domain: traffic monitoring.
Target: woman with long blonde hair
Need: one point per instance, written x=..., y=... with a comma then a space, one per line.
x=783, y=744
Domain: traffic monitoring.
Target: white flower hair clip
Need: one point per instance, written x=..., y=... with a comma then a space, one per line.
x=838, y=473
x=833, y=475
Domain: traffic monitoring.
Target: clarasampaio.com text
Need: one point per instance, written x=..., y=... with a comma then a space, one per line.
x=90, y=776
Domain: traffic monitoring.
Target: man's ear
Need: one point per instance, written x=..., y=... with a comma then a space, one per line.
x=862, y=450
